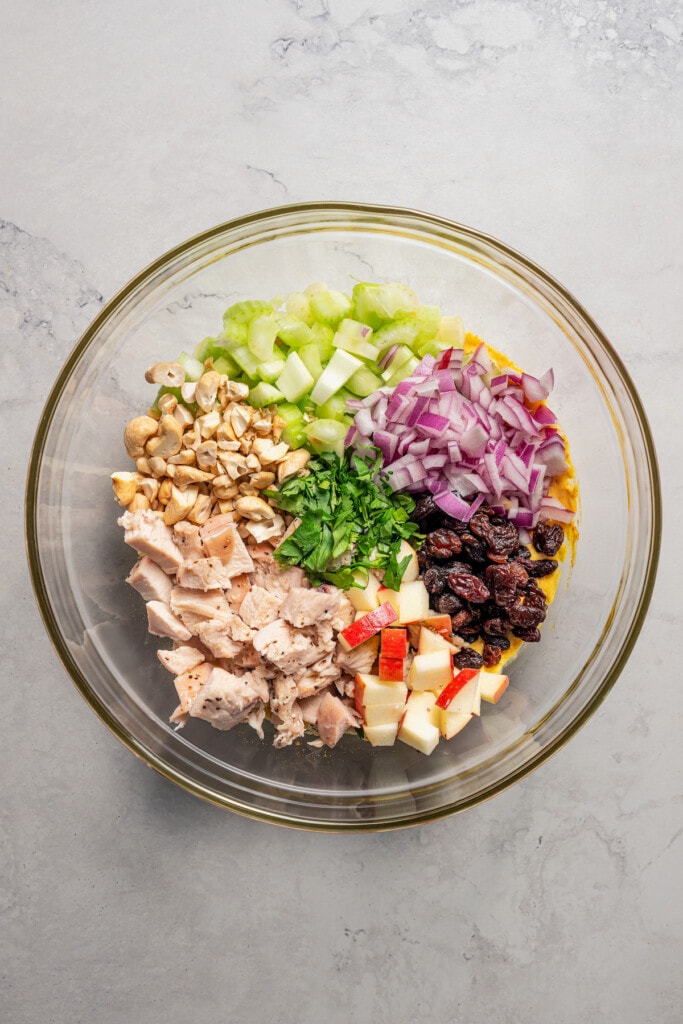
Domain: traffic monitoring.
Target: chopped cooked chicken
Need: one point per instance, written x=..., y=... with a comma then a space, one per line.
x=213, y=634
x=226, y=699
x=358, y=659
x=269, y=575
x=315, y=678
x=150, y=581
x=147, y=532
x=289, y=721
x=334, y=718
x=305, y=607
x=239, y=590
x=255, y=719
x=190, y=683
x=161, y=621
x=219, y=537
x=186, y=536
x=310, y=706
x=285, y=647
x=181, y=659
x=195, y=606
x=203, y=574
x=260, y=607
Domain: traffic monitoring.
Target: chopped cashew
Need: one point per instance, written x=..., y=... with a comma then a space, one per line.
x=170, y=375
x=186, y=475
x=292, y=464
x=137, y=434
x=255, y=509
x=180, y=504
x=167, y=404
x=125, y=485
x=169, y=441
x=206, y=390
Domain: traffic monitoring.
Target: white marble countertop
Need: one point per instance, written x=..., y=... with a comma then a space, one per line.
x=555, y=126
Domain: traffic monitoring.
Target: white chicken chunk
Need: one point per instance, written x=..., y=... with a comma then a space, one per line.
x=150, y=580
x=147, y=532
x=161, y=621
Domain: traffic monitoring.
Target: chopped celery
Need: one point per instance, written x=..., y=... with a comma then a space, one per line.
x=399, y=332
x=293, y=433
x=376, y=304
x=246, y=360
x=401, y=356
x=310, y=357
x=271, y=369
x=295, y=380
x=429, y=320
x=330, y=307
x=335, y=375
x=356, y=329
x=264, y=394
x=224, y=364
x=234, y=334
x=452, y=331
x=261, y=335
x=193, y=368
x=322, y=336
x=364, y=382
x=205, y=348
x=242, y=312
x=335, y=406
x=294, y=332
x=327, y=435
x=298, y=306
x=357, y=346
x=431, y=347
x=403, y=371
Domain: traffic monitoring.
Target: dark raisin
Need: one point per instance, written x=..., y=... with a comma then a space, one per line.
x=538, y=567
x=500, y=536
x=467, y=658
x=547, y=538
x=448, y=604
x=425, y=511
x=504, y=581
x=495, y=627
x=529, y=607
x=442, y=544
x=460, y=619
x=473, y=548
x=469, y=587
x=492, y=653
x=434, y=581
x=521, y=553
x=532, y=635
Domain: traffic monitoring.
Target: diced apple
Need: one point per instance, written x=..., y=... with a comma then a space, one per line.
x=430, y=671
x=367, y=599
x=383, y=714
x=391, y=669
x=381, y=735
x=429, y=641
x=455, y=686
x=392, y=596
x=467, y=700
x=424, y=702
x=413, y=602
x=394, y=643
x=440, y=624
x=413, y=569
x=451, y=722
x=370, y=690
x=492, y=685
x=417, y=727
x=369, y=625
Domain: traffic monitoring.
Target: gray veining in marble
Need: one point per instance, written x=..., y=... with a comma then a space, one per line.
x=127, y=127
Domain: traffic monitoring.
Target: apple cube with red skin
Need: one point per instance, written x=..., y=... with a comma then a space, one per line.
x=430, y=671
x=492, y=685
x=429, y=641
x=440, y=624
x=392, y=596
x=367, y=626
x=419, y=726
x=391, y=669
x=394, y=643
x=371, y=691
x=461, y=695
x=452, y=722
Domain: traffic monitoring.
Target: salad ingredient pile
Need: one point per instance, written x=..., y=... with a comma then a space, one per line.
x=344, y=522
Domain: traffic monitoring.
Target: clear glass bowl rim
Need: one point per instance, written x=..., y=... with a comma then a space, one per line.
x=368, y=213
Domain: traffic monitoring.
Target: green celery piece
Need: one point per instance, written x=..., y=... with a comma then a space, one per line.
x=399, y=332
x=356, y=329
x=242, y=312
x=335, y=406
x=193, y=367
x=452, y=331
x=377, y=304
x=401, y=356
x=264, y=394
x=356, y=346
x=322, y=336
x=246, y=360
x=261, y=335
x=224, y=364
x=429, y=319
x=329, y=307
x=205, y=349
x=310, y=357
x=294, y=332
x=297, y=305
x=327, y=435
x=341, y=366
x=403, y=371
x=290, y=413
x=364, y=382
x=234, y=334
x=295, y=380
x=271, y=369
x=294, y=436
x=431, y=347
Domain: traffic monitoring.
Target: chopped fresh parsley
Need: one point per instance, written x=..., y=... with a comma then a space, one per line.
x=351, y=522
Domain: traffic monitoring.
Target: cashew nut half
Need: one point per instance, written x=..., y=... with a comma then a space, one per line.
x=170, y=375
x=137, y=434
x=169, y=441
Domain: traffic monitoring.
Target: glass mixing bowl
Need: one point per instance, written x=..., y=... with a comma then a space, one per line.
x=79, y=561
